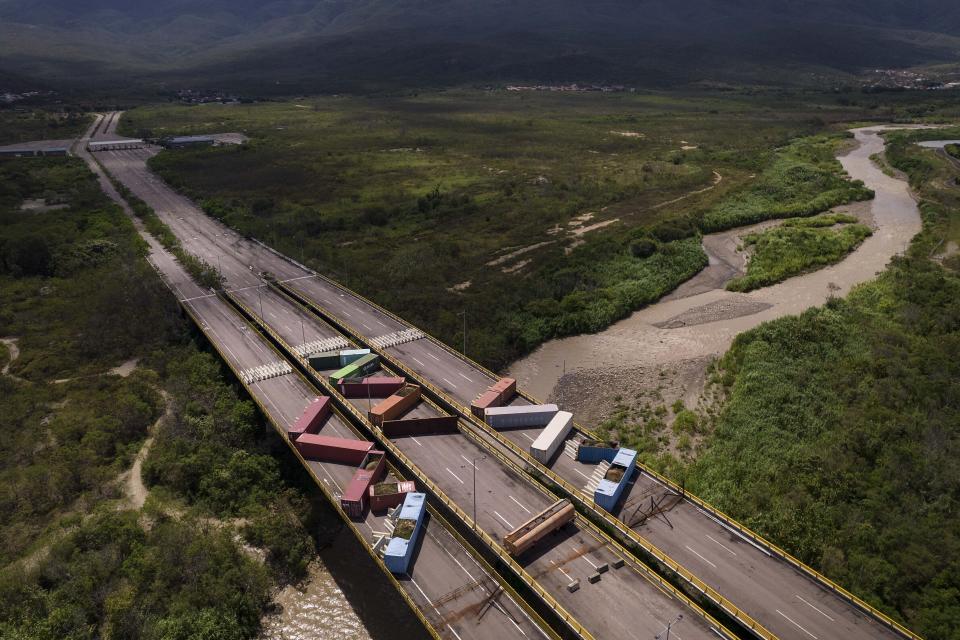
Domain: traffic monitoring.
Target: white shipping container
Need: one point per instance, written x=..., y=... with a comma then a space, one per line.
x=550, y=439
x=529, y=415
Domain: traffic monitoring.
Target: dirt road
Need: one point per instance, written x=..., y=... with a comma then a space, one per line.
x=701, y=319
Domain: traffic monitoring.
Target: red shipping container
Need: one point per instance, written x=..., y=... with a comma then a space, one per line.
x=312, y=418
x=485, y=400
x=372, y=387
x=395, y=404
x=371, y=470
x=506, y=388
x=330, y=449
x=390, y=500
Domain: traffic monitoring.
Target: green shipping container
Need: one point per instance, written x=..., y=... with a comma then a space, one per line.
x=325, y=361
x=357, y=369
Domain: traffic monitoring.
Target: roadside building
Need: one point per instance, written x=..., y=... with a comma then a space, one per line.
x=32, y=152
x=184, y=142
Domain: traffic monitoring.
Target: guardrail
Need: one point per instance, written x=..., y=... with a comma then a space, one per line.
x=651, y=575
x=728, y=606
x=501, y=553
x=333, y=500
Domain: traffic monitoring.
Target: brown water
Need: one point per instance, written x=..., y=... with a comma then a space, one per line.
x=317, y=609
x=638, y=341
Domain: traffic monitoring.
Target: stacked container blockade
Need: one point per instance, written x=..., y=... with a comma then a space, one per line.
x=360, y=367
x=387, y=495
x=539, y=526
x=330, y=449
x=553, y=435
x=529, y=415
x=325, y=361
x=406, y=531
x=611, y=487
x=497, y=395
x=394, y=406
x=594, y=451
x=312, y=418
x=348, y=356
x=371, y=470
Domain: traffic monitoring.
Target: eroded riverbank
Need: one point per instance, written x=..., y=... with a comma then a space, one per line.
x=700, y=320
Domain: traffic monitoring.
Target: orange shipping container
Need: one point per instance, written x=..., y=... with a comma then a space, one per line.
x=395, y=405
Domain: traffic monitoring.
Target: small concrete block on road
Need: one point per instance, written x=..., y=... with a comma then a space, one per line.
x=618, y=563
x=594, y=578
x=573, y=586
x=603, y=568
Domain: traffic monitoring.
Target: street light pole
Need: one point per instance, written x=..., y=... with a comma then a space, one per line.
x=260, y=298
x=464, y=314
x=667, y=630
x=303, y=332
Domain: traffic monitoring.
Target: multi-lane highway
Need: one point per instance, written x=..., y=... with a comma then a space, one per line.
x=449, y=585
x=752, y=576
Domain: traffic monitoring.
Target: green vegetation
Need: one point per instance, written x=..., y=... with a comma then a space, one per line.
x=838, y=440
x=41, y=124
x=953, y=150
x=203, y=273
x=114, y=578
x=823, y=220
x=419, y=202
x=78, y=561
x=791, y=249
x=803, y=179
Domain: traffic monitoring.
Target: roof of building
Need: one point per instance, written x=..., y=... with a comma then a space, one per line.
x=188, y=139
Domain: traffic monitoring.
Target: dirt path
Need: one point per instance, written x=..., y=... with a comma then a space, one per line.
x=14, y=350
x=132, y=479
x=701, y=319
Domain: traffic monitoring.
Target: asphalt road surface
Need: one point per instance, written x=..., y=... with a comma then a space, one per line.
x=781, y=598
x=443, y=566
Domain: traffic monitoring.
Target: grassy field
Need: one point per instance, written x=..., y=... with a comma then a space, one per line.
x=539, y=215
x=41, y=124
x=800, y=245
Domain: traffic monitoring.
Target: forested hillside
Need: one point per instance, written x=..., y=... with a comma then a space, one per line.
x=287, y=46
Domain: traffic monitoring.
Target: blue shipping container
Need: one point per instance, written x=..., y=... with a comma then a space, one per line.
x=608, y=492
x=399, y=550
x=594, y=454
x=350, y=355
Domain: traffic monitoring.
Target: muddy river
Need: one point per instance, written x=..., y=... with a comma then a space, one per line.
x=701, y=318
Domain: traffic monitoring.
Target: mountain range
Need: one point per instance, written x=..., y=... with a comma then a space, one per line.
x=336, y=44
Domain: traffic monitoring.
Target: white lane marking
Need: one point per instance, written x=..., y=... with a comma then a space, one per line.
x=520, y=505
x=417, y=441
x=562, y=570
x=504, y=520
x=300, y=278
x=368, y=327
x=582, y=473
x=722, y=545
x=433, y=356
x=589, y=562
x=701, y=557
x=419, y=363
x=796, y=625
x=464, y=377
x=347, y=313
x=454, y=632
x=815, y=609
x=469, y=461
x=527, y=437
x=449, y=383
x=453, y=474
